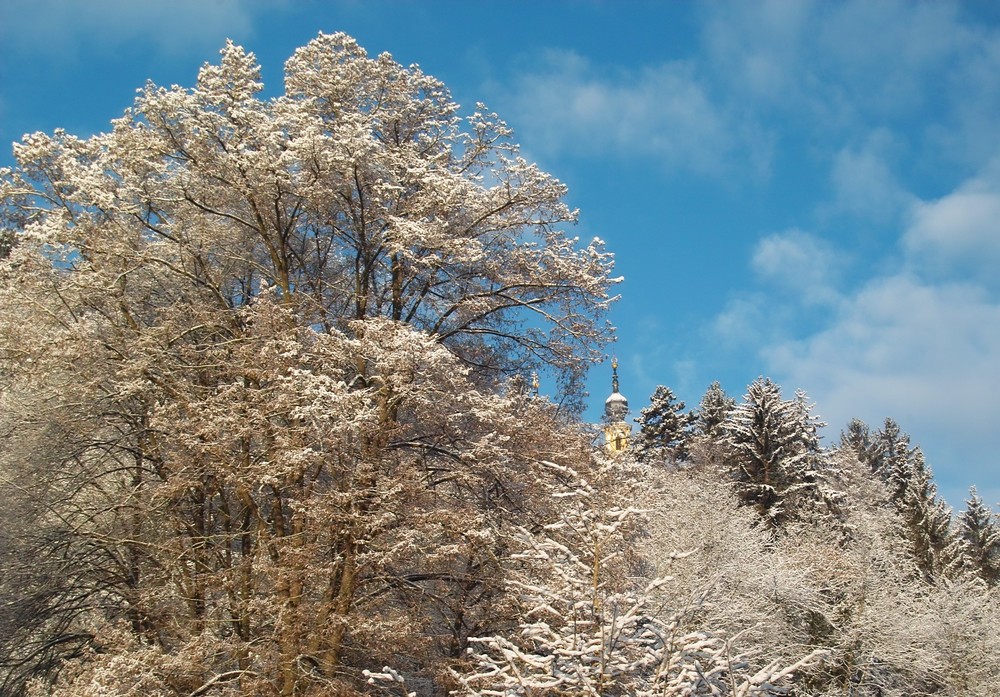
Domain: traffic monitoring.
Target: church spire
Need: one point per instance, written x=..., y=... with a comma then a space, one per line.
x=616, y=431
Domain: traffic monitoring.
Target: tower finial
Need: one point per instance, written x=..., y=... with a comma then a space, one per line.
x=616, y=431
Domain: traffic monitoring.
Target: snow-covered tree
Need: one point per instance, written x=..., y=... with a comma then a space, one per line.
x=264, y=343
x=892, y=457
x=979, y=536
x=726, y=572
x=927, y=521
x=591, y=625
x=887, y=630
x=713, y=411
x=774, y=456
x=857, y=438
x=910, y=488
x=664, y=428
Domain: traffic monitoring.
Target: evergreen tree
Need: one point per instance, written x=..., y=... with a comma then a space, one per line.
x=858, y=439
x=889, y=455
x=808, y=424
x=775, y=458
x=664, y=428
x=927, y=519
x=979, y=538
x=713, y=411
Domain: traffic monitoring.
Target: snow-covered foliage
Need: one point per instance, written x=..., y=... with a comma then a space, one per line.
x=664, y=428
x=254, y=366
x=264, y=431
x=592, y=624
x=774, y=456
x=862, y=599
x=713, y=411
x=910, y=489
x=979, y=539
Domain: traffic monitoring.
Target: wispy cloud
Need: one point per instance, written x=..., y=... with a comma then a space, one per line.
x=837, y=62
x=54, y=29
x=744, y=322
x=797, y=276
x=864, y=184
x=927, y=355
x=959, y=234
x=799, y=263
x=663, y=112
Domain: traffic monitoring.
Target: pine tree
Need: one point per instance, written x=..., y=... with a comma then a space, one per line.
x=775, y=458
x=713, y=411
x=858, y=439
x=664, y=428
x=979, y=538
x=889, y=457
x=910, y=488
x=927, y=521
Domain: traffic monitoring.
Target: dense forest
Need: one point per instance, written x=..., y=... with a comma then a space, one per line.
x=267, y=428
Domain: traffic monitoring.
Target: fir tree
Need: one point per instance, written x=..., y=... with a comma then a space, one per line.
x=889, y=457
x=858, y=439
x=910, y=488
x=713, y=411
x=775, y=458
x=664, y=428
x=979, y=538
x=927, y=521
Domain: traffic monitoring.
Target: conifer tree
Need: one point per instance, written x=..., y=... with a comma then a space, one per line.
x=713, y=411
x=664, y=428
x=858, y=439
x=979, y=538
x=891, y=457
x=927, y=521
x=775, y=458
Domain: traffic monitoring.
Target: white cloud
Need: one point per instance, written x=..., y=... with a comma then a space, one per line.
x=837, y=69
x=830, y=56
x=743, y=322
x=925, y=355
x=55, y=28
x=799, y=263
x=663, y=112
x=864, y=184
x=959, y=233
x=824, y=76
x=884, y=52
x=756, y=47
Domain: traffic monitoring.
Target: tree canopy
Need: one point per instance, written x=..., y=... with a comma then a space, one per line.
x=254, y=364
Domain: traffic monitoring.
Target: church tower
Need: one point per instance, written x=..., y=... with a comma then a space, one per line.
x=616, y=431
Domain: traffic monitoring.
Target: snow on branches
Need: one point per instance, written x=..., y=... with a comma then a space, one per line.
x=257, y=352
x=591, y=625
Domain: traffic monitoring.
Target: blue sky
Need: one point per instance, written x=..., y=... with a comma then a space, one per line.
x=804, y=190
